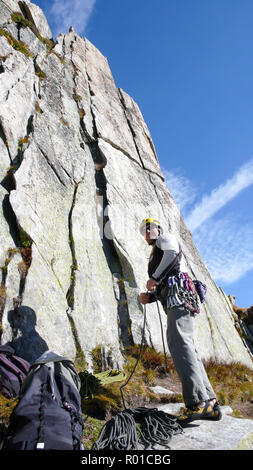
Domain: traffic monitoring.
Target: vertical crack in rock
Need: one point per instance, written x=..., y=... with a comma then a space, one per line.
x=9, y=184
x=110, y=252
x=70, y=296
x=111, y=255
x=27, y=14
x=24, y=265
x=23, y=268
x=21, y=240
x=99, y=135
x=148, y=137
x=246, y=335
x=89, y=139
x=50, y=164
x=130, y=127
x=4, y=139
x=127, y=113
x=11, y=220
x=8, y=181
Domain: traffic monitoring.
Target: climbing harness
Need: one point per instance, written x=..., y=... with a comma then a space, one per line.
x=138, y=428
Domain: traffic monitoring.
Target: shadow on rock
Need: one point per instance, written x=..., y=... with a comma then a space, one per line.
x=26, y=340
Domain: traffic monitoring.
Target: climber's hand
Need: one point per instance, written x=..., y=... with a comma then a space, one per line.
x=151, y=285
x=144, y=298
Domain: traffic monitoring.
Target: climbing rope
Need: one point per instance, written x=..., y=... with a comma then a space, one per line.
x=138, y=357
x=133, y=429
x=164, y=350
x=122, y=433
x=110, y=376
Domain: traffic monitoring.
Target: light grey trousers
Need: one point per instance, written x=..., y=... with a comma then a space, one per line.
x=180, y=336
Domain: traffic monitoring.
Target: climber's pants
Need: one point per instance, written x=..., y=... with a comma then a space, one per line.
x=180, y=335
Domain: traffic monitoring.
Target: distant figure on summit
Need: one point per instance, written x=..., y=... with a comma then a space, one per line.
x=177, y=293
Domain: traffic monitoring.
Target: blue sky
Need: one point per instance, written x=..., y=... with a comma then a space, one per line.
x=189, y=66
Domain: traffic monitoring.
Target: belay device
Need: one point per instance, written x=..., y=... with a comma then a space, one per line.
x=155, y=427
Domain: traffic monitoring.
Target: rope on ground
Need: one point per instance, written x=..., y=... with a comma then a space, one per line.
x=133, y=429
x=157, y=427
x=110, y=376
x=119, y=433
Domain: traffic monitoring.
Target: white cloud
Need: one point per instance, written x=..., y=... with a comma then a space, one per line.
x=226, y=247
x=180, y=188
x=220, y=196
x=68, y=13
x=225, y=244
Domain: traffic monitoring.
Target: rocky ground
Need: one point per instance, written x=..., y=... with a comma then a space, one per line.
x=233, y=432
x=242, y=409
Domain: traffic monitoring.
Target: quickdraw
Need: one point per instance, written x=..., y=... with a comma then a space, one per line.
x=182, y=292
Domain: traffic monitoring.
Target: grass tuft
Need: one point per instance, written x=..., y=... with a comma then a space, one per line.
x=19, y=46
x=231, y=382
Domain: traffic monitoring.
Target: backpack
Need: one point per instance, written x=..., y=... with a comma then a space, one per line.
x=13, y=370
x=48, y=415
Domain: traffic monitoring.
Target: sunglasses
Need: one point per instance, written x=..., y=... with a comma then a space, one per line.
x=148, y=227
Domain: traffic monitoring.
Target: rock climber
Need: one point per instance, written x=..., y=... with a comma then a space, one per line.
x=176, y=292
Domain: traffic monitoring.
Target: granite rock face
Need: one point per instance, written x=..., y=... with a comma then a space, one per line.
x=79, y=172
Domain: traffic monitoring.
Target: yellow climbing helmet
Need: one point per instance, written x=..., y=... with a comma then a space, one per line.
x=149, y=221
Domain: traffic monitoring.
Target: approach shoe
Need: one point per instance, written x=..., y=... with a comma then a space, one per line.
x=195, y=412
x=217, y=414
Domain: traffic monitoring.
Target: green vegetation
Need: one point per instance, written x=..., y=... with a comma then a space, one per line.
x=25, y=240
x=40, y=74
x=18, y=18
x=77, y=98
x=19, y=46
x=6, y=408
x=81, y=113
x=232, y=382
x=21, y=21
x=23, y=141
x=97, y=359
x=38, y=108
x=100, y=399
